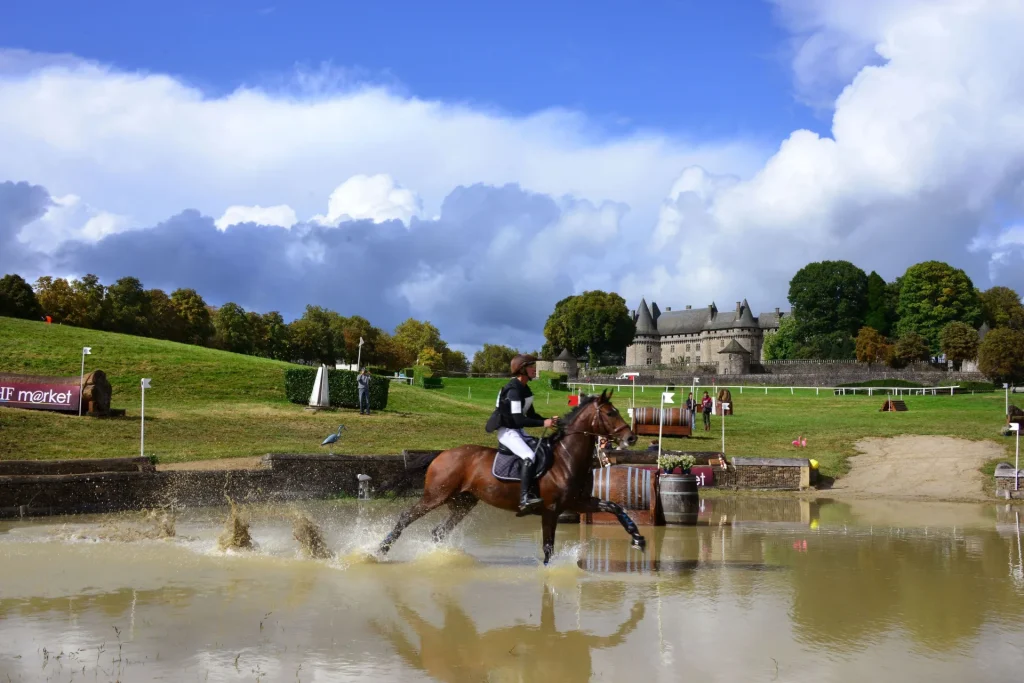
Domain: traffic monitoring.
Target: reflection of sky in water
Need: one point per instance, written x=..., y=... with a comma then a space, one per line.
x=831, y=591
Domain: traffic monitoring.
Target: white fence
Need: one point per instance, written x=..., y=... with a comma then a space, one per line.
x=838, y=391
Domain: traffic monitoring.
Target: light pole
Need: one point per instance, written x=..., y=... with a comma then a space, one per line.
x=86, y=350
x=666, y=397
x=725, y=407
x=142, y=421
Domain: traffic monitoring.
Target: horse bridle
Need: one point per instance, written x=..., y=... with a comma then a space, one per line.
x=593, y=423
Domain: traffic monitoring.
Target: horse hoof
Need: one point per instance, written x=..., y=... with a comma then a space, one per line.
x=639, y=543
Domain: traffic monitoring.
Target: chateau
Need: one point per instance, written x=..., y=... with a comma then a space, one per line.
x=701, y=336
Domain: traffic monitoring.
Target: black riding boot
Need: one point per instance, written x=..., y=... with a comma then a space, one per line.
x=528, y=498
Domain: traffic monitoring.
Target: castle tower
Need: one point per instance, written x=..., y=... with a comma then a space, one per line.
x=646, y=347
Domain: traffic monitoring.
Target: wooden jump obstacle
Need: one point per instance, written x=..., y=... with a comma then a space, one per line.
x=893, y=406
x=676, y=423
x=633, y=487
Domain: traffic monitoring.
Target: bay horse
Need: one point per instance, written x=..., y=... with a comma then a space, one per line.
x=461, y=477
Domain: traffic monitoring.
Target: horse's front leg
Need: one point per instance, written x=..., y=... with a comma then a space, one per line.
x=549, y=521
x=598, y=505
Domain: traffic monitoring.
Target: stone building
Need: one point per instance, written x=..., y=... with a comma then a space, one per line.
x=730, y=340
x=566, y=363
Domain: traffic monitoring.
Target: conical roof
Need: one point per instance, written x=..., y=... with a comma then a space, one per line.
x=644, y=321
x=746, y=318
x=734, y=347
x=983, y=330
x=565, y=355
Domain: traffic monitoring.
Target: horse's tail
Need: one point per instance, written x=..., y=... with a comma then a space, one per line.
x=415, y=465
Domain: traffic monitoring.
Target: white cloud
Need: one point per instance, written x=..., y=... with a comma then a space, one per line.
x=281, y=215
x=148, y=145
x=924, y=149
x=377, y=198
x=69, y=218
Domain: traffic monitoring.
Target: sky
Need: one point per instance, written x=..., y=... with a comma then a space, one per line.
x=471, y=164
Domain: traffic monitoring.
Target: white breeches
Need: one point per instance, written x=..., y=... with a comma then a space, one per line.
x=512, y=439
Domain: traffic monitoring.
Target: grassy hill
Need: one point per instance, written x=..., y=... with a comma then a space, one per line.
x=213, y=404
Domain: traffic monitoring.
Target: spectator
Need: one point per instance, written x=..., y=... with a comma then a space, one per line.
x=364, y=392
x=705, y=405
x=691, y=406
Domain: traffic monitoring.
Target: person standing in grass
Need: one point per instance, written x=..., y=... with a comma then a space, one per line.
x=705, y=406
x=364, y=391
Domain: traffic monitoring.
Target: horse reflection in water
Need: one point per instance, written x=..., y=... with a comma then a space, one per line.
x=456, y=651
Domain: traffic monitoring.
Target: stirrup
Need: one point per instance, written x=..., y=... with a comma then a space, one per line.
x=529, y=506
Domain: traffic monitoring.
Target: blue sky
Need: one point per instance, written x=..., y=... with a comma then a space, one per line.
x=703, y=69
x=473, y=163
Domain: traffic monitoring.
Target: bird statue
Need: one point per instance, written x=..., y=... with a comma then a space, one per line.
x=330, y=440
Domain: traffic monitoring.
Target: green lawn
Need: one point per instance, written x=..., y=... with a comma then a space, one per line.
x=212, y=404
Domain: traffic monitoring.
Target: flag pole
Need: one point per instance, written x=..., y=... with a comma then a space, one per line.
x=86, y=350
x=142, y=420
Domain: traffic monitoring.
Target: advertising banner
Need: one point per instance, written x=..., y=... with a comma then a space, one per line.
x=38, y=395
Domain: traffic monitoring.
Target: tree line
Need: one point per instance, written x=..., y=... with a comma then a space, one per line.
x=320, y=335
x=932, y=309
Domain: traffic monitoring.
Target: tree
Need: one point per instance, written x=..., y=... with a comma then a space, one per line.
x=194, y=316
x=1001, y=307
x=592, y=323
x=276, y=337
x=318, y=336
x=57, y=299
x=94, y=307
x=1001, y=355
x=932, y=294
x=828, y=297
x=780, y=344
x=233, y=330
x=881, y=310
x=959, y=341
x=412, y=336
x=872, y=346
x=17, y=300
x=493, y=359
x=162, y=320
x=128, y=307
x=909, y=347
x=432, y=359
x=456, y=361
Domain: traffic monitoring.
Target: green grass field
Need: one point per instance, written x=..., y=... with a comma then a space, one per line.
x=212, y=404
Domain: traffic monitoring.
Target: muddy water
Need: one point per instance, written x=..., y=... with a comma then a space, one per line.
x=761, y=590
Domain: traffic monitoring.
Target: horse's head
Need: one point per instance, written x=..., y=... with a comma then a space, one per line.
x=597, y=416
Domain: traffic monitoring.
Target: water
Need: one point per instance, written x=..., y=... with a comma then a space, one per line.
x=763, y=589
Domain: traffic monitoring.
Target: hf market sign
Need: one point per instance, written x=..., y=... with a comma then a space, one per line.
x=37, y=395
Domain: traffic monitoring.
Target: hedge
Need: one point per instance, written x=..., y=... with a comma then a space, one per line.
x=298, y=385
x=559, y=383
x=431, y=383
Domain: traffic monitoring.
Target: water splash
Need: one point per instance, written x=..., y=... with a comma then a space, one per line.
x=310, y=537
x=236, y=530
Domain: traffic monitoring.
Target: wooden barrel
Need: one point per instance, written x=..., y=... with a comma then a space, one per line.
x=680, y=499
x=674, y=417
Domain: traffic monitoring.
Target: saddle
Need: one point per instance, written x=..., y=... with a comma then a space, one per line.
x=509, y=467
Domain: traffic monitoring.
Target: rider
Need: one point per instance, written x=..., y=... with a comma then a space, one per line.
x=512, y=412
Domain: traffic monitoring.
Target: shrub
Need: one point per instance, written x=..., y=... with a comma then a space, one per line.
x=409, y=372
x=559, y=383
x=298, y=385
x=431, y=383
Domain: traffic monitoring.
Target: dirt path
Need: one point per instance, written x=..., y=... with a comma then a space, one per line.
x=254, y=463
x=919, y=468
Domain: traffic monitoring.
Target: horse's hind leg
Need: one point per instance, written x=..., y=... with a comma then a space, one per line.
x=425, y=505
x=460, y=505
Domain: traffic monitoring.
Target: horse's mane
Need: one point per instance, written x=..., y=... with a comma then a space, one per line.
x=571, y=416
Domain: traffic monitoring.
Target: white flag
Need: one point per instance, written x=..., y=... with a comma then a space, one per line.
x=1014, y=427
x=666, y=396
x=145, y=382
x=87, y=350
x=360, y=341
x=725, y=406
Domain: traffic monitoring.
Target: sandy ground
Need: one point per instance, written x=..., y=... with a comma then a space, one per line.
x=254, y=463
x=918, y=468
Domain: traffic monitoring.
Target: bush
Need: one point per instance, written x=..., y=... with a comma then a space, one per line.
x=559, y=383
x=409, y=372
x=431, y=383
x=298, y=385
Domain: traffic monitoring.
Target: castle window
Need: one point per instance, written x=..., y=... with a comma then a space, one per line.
x=648, y=348
x=672, y=349
x=687, y=348
x=687, y=359
x=698, y=359
x=698, y=349
x=648, y=361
